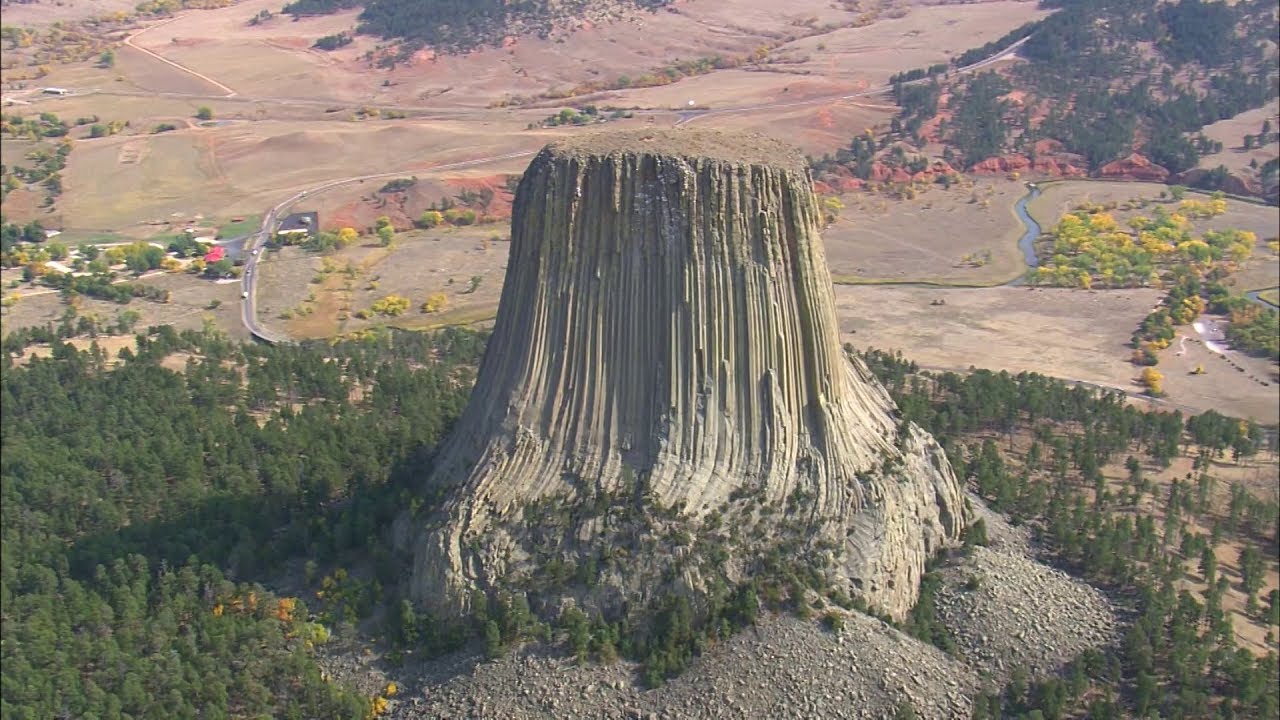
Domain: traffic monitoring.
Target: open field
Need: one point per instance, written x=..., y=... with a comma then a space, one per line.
x=188, y=308
x=47, y=12
x=877, y=239
x=1231, y=132
x=815, y=128
x=274, y=58
x=143, y=72
x=1070, y=334
x=420, y=263
x=243, y=168
x=1261, y=271
x=281, y=137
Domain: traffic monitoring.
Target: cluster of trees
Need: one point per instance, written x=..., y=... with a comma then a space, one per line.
x=1089, y=247
x=1212, y=60
x=446, y=25
x=918, y=103
x=43, y=125
x=398, y=185
x=333, y=42
x=860, y=157
x=143, y=508
x=102, y=287
x=391, y=305
x=48, y=160
x=48, y=125
x=1253, y=329
x=1262, y=139
x=979, y=128
x=582, y=116
x=431, y=217
x=1181, y=305
x=13, y=234
x=1180, y=657
x=918, y=74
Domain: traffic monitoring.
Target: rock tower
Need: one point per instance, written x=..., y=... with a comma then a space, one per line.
x=664, y=398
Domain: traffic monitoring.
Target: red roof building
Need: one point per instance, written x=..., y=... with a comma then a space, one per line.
x=215, y=254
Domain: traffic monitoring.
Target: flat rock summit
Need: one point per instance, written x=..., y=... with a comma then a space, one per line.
x=664, y=403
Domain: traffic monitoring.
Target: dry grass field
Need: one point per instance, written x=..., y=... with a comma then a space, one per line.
x=39, y=14
x=244, y=168
x=1231, y=132
x=877, y=239
x=292, y=109
x=274, y=58
x=1071, y=334
x=466, y=265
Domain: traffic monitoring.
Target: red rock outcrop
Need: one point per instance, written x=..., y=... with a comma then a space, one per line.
x=1134, y=167
x=1001, y=164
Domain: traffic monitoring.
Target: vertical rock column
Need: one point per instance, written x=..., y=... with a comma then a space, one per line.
x=667, y=315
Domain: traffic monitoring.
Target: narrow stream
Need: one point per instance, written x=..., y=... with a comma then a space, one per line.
x=1027, y=243
x=1256, y=296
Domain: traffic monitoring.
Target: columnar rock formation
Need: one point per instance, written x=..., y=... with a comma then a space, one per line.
x=667, y=339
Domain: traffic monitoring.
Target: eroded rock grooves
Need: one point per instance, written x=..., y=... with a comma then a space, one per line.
x=667, y=336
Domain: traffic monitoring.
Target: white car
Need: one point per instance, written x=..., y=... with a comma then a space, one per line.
x=244, y=294
x=255, y=251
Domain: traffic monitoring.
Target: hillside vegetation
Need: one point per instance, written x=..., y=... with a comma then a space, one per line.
x=1103, y=79
x=457, y=25
x=142, y=507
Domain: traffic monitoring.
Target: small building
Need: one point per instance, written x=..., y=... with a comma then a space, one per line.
x=216, y=253
x=297, y=225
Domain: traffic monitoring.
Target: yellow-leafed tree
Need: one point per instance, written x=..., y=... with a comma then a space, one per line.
x=1154, y=381
x=436, y=302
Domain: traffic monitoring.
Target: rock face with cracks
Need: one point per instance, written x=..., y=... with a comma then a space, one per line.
x=667, y=343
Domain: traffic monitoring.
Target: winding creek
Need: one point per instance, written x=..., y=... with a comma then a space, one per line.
x=1028, y=241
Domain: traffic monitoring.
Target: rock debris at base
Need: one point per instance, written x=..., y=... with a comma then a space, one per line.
x=1023, y=614
x=782, y=668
